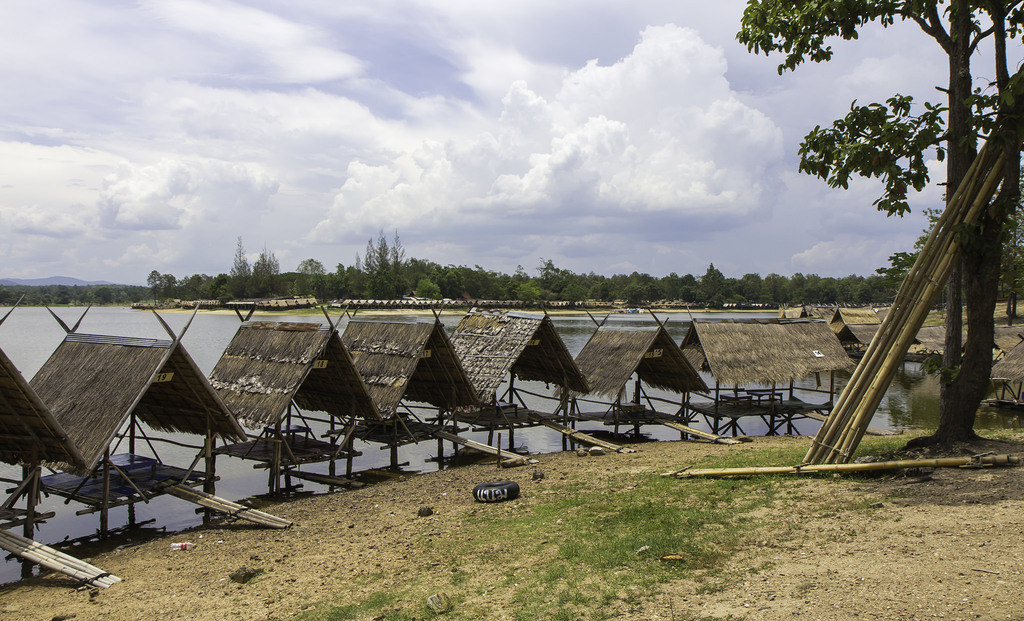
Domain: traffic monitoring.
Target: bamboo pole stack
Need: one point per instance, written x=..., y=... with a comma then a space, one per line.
x=55, y=560
x=845, y=426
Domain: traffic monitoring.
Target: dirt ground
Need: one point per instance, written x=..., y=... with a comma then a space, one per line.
x=940, y=545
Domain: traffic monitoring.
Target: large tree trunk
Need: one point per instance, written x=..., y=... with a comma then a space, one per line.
x=964, y=393
x=955, y=411
x=982, y=252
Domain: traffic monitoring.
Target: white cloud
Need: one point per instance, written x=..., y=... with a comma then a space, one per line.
x=595, y=133
x=256, y=43
x=175, y=194
x=590, y=148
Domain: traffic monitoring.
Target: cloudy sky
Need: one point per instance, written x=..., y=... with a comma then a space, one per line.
x=607, y=136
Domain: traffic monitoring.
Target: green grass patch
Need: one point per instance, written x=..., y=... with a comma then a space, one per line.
x=592, y=549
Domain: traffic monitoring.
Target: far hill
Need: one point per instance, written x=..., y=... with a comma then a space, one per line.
x=52, y=280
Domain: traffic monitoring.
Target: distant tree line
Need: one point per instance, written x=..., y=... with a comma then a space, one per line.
x=384, y=272
x=84, y=295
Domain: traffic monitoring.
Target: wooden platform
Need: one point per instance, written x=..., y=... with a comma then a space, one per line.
x=301, y=449
x=640, y=416
x=778, y=416
x=499, y=416
x=54, y=559
x=144, y=474
x=13, y=516
x=1005, y=404
x=394, y=433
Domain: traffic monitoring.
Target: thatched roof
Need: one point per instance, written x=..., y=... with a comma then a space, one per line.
x=1011, y=367
x=793, y=312
x=93, y=384
x=931, y=339
x=269, y=364
x=855, y=325
x=28, y=431
x=859, y=333
x=414, y=361
x=764, y=351
x=491, y=345
x=612, y=356
x=853, y=317
x=1007, y=337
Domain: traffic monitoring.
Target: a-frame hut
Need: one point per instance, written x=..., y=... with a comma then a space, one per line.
x=612, y=357
x=407, y=368
x=855, y=327
x=793, y=312
x=273, y=376
x=499, y=346
x=755, y=365
x=29, y=437
x=1008, y=375
x=105, y=392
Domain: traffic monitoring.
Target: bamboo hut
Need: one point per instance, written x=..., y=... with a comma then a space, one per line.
x=410, y=370
x=1008, y=375
x=272, y=376
x=855, y=327
x=499, y=346
x=611, y=358
x=793, y=312
x=105, y=392
x=1006, y=340
x=755, y=364
x=30, y=436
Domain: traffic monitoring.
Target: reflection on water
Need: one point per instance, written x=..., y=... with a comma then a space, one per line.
x=30, y=335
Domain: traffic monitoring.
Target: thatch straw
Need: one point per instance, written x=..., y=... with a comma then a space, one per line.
x=612, y=356
x=29, y=433
x=1011, y=367
x=794, y=312
x=931, y=339
x=1007, y=337
x=414, y=361
x=93, y=384
x=857, y=334
x=269, y=364
x=492, y=345
x=764, y=351
x=855, y=317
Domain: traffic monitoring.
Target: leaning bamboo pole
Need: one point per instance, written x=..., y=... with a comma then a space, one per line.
x=912, y=289
x=843, y=429
x=989, y=176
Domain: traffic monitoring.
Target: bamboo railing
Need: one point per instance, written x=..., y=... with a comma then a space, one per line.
x=843, y=429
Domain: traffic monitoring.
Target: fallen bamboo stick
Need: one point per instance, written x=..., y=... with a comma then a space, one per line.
x=943, y=462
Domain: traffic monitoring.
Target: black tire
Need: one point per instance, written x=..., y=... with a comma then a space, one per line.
x=497, y=491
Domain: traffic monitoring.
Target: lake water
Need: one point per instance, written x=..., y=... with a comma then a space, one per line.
x=30, y=335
